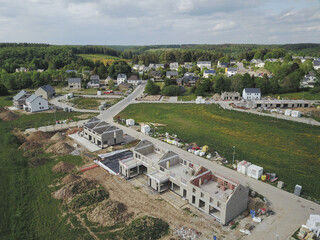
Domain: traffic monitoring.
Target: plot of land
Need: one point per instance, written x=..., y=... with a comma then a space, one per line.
x=287, y=148
x=299, y=95
x=91, y=103
x=106, y=59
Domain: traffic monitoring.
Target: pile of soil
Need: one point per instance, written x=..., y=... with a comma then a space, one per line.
x=26, y=146
x=36, y=162
x=38, y=136
x=70, y=178
x=256, y=204
x=110, y=212
x=2, y=109
x=8, y=116
x=57, y=137
x=60, y=148
x=73, y=130
x=79, y=186
x=63, y=167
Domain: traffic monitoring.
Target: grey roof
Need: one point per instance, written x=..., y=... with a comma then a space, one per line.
x=19, y=95
x=143, y=143
x=74, y=80
x=133, y=77
x=252, y=90
x=155, y=73
x=204, y=62
x=121, y=75
x=316, y=63
x=31, y=98
x=94, y=77
x=47, y=88
x=172, y=73
x=210, y=71
x=109, y=78
x=232, y=69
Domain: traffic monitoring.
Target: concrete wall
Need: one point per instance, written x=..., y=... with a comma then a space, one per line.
x=237, y=203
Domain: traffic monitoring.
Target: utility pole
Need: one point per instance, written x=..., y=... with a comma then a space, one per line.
x=234, y=152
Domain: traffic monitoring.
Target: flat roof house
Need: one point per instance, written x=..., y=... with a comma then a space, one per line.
x=46, y=92
x=101, y=133
x=215, y=195
x=74, y=83
x=251, y=94
x=234, y=96
x=20, y=99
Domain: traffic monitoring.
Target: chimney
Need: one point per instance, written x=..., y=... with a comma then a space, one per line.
x=168, y=164
x=200, y=182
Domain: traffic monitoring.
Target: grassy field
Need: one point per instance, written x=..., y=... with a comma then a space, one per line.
x=92, y=103
x=289, y=149
x=6, y=101
x=106, y=59
x=299, y=95
x=27, y=210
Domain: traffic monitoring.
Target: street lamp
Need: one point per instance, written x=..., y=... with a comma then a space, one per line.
x=234, y=152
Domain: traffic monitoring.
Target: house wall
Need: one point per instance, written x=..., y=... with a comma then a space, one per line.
x=74, y=85
x=41, y=93
x=39, y=104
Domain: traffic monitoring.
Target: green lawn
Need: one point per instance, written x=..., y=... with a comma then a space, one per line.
x=6, y=101
x=192, y=96
x=92, y=103
x=299, y=95
x=106, y=59
x=287, y=148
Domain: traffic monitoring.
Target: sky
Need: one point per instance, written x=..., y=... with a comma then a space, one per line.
x=153, y=22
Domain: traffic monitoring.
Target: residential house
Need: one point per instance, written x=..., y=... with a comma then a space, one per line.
x=71, y=71
x=231, y=71
x=309, y=80
x=306, y=58
x=222, y=64
x=20, y=99
x=136, y=67
x=188, y=65
x=222, y=198
x=94, y=81
x=171, y=74
x=21, y=69
x=101, y=133
x=174, y=66
x=134, y=80
x=40, y=70
x=204, y=64
x=74, y=83
x=271, y=60
x=278, y=104
x=35, y=103
x=231, y=96
x=258, y=62
x=125, y=86
x=159, y=66
x=316, y=65
x=46, y=92
x=187, y=80
x=121, y=78
x=208, y=73
x=251, y=94
x=189, y=74
x=156, y=75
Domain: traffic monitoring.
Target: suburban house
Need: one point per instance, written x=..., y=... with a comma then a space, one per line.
x=208, y=73
x=316, y=64
x=134, y=80
x=222, y=198
x=21, y=69
x=159, y=66
x=233, y=96
x=171, y=74
x=156, y=75
x=71, y=71
x=189, y=74
x=125, y=86
x=136, y=67
x=187, y=65
x=74, y=83
x=174, y=66
x=187, y=80
x=35, y=103
x=257, y=62
x=231, y=71
x=222, y=64
x=94, y=82
x=309, y=80
x=271, y=60
x=101, y=133
x=203, y=64
x=45, y=92
x=121, y=78
x=20, y=99
x=251, y=94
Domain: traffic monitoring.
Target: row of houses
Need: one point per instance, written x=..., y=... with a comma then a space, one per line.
x=222, y=198
x=260, y=63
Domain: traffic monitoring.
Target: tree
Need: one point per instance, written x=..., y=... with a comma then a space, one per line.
x=3, y=90
x=119, y=67
x=236, y=83
x=171, y=90
x=247, y=81
x=110, y=84
x=274, y=85
x=199, y=91
x=151, y=88
x=287, y=58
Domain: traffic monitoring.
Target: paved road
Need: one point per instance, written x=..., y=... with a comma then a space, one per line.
x=225, y=105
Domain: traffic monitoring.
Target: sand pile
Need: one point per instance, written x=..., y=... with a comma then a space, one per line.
x=256, y=204
x=8, y=116
x=79, y=186
x=110, y=213
x=57, y=137
x=60, y=148
x=36, y=162
x=38, y=136
x=26, y=146
x=63, y=167
x=70, y=178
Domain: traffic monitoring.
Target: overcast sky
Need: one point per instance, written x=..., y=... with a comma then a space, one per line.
x=142, y=22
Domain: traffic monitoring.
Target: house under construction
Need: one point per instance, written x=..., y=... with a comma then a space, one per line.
x=222, y=198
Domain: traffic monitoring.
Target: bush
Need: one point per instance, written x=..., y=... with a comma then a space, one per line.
x=151, y=88
x=89, y=198
x=3, y=90
x=171, y=90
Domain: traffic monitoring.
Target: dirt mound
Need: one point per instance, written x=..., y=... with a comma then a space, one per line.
x=8, y=116
x=38, y=136
x=256, y=204
x=60, y=148
x=70, y=178
x=57, y=137
x=26, y=146
x=36, y=162
x=63, y=167
x=2, y=109
x=110, y=213
x=79, y=186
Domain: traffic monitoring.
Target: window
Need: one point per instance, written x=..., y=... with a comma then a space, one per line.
x=193, y=190
x=202, y=194
x=218, y=204
x=211, y=200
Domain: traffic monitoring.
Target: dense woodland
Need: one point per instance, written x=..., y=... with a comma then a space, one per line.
x=55, y=60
